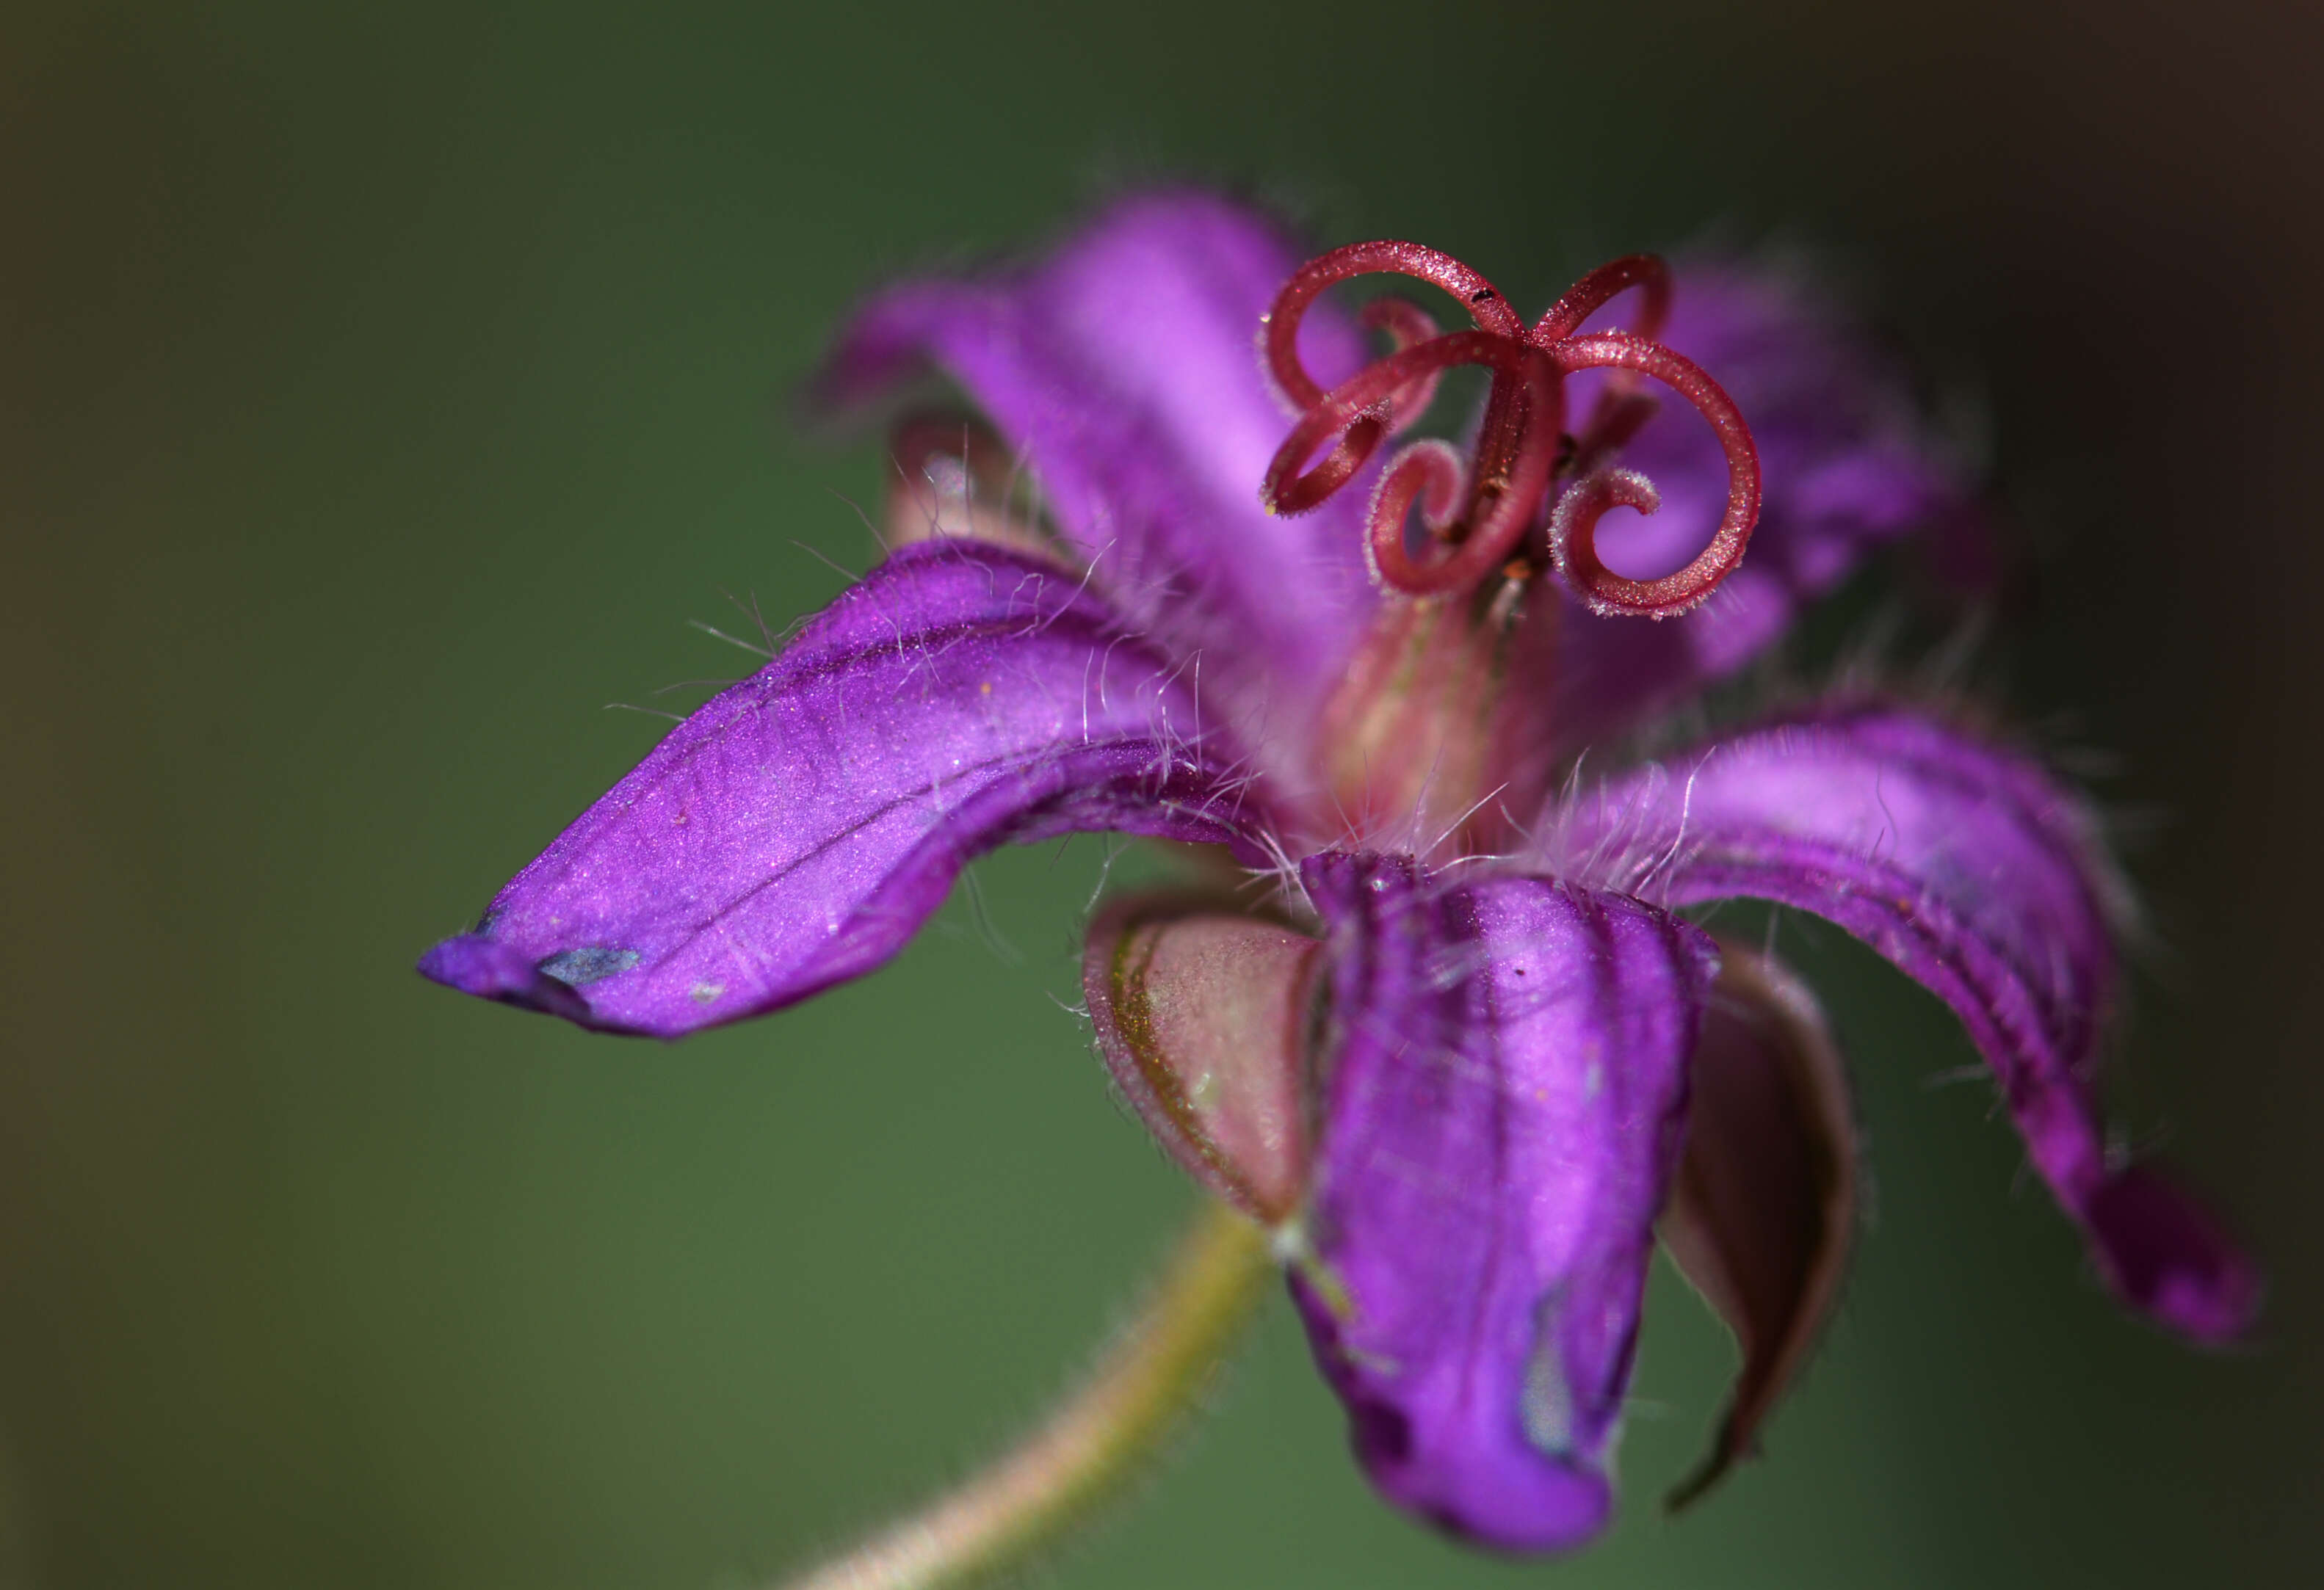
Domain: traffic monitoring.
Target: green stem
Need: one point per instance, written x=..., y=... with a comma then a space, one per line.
x=1151, y=1376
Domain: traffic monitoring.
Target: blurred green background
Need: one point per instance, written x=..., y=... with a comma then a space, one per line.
x=385, y=389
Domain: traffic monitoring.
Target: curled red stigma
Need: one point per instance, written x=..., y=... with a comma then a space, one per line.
x=1482, y=515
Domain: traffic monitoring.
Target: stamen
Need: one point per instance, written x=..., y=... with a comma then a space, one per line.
x=1601, y=287
x=1489, y=514
x=1407, y=324
x=1621, y=410
x=1505, y=487
x=1486, y=305
x=1573, y=527
x=1504, y=494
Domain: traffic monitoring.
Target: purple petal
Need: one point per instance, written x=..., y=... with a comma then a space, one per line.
x=1846, y=466
x=798, y=828
x=1978, y=875
x=1125, y=368
x=1507, y=1070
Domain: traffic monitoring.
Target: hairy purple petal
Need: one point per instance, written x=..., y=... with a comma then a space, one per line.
x=1975, y=874
x=1125, y=368
x=1845, y=462
x=1505, y=1074
x=798, y=828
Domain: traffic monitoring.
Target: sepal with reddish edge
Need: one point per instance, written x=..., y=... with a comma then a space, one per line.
x=1763, y=1210
x=952, y=479
x=1204, y=1018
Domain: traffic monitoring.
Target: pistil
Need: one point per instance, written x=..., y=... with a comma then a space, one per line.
x=1481, y=517
x=1435, y=743
x=1420, y=742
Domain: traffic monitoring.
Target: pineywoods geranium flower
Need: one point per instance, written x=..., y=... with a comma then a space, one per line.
x=1464, y=1056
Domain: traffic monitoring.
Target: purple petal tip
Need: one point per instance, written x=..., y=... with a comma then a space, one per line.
x=1468, y=1488
x=2165, y=1256
x=490, y=969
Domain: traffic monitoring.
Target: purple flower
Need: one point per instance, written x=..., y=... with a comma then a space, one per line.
x=1464, y=1057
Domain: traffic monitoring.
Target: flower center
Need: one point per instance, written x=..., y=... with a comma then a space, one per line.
x=1484, y=517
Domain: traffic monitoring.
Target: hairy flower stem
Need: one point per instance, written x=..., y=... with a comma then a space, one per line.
x=1150, y=1379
